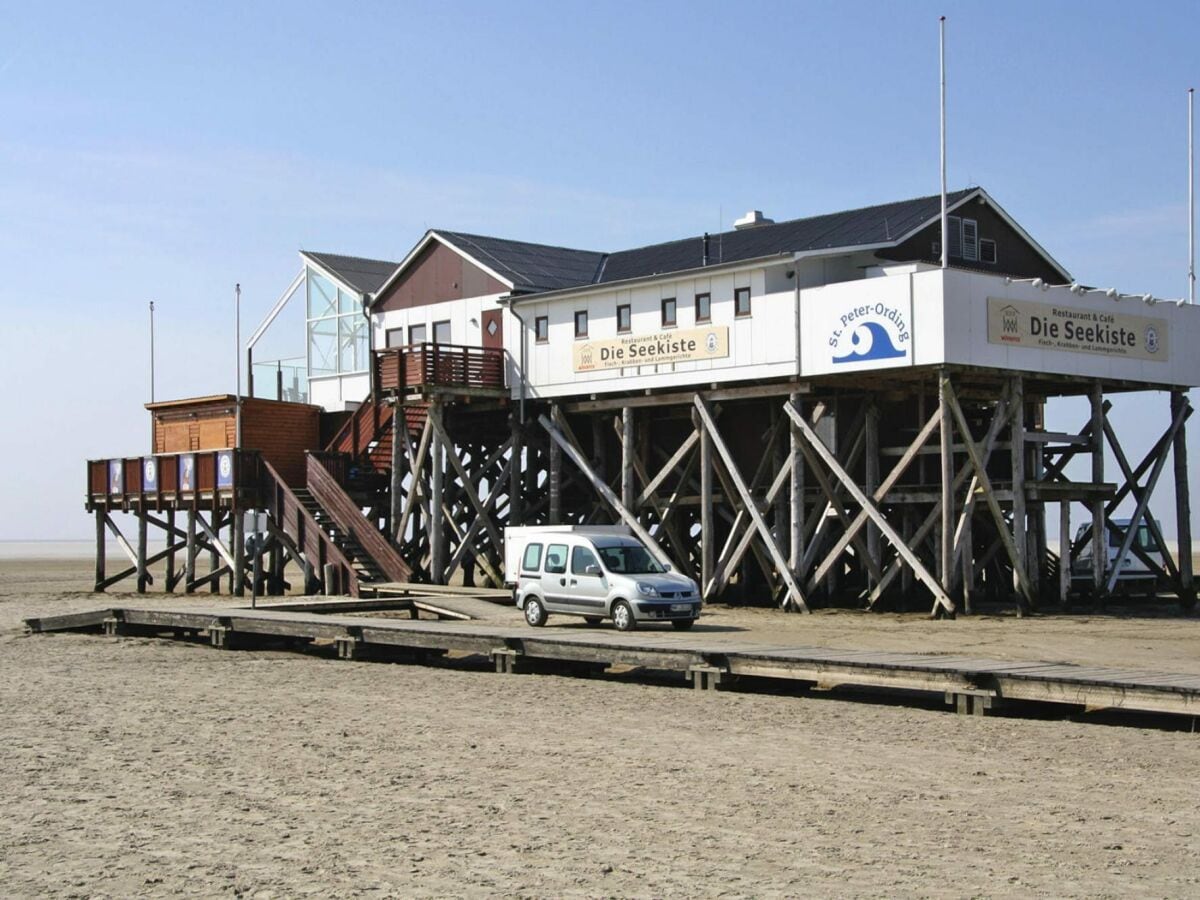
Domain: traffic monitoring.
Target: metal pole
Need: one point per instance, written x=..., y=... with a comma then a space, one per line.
x=945, y=212
x=1191, y=198
x=151, y=373
x=237, y=291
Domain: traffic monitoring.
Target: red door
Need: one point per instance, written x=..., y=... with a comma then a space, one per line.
x=492, y=323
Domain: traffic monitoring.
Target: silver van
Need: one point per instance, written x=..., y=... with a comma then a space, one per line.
x=596, y=573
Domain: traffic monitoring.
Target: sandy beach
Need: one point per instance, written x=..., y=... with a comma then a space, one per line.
x=142, y=767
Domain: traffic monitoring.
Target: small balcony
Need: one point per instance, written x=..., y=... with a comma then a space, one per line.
x=426, y=368
x=165, y=481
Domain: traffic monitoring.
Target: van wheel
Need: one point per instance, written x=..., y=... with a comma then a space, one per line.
x=535, y=613
x=593, y=620
x=622, y=615
x=683, y=624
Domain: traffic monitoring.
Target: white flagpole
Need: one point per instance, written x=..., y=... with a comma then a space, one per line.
x=1191, y=198
x=237, y=290
x=945, y=214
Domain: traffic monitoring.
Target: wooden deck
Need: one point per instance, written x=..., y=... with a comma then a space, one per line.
x=972, y=684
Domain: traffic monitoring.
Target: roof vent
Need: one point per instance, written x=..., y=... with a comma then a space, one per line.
x=752, y=219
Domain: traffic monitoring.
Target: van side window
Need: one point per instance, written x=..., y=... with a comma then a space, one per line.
x=533, y=558
x=556, y=559
x=581, y=558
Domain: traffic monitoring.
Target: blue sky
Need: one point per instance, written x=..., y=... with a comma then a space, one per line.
x=167, y=151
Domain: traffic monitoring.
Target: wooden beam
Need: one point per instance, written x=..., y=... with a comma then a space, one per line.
x=668, y=467
x=468, y=486
x=707, y=532
x=946, y=534
x=142, y=574
x=795, y=594
x=683, y=398
x=1099, y=538
x=101, y=552
x=1064, y=552
x=215, y=544
x=795, y=493
x=437, y=511
x=189, y=559
x=416, y=470
x=867, y=504
x=627, y=454
x=1020, y=520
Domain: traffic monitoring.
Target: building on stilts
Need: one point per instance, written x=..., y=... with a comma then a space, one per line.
x=800, y=413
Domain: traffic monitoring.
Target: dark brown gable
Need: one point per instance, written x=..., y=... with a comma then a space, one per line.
x=438, y=274
x=1014, y=255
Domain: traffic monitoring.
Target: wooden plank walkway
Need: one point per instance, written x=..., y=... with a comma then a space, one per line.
x=974, y=684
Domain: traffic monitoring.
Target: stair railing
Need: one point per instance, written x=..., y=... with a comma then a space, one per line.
x=345, y=513
x=306, y=534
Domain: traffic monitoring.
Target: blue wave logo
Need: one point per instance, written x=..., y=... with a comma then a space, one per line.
x=870, y=341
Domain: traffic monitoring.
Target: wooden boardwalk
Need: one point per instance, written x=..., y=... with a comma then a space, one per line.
x=973, y=684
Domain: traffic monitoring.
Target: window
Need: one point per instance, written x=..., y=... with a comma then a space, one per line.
x=970, y=240
x=532, y=559
x=668, y=312
x=441, y=332
x=624, y=318
x=556, y=559
x=581, y=558
x=629, y=559
x=338, y=336
x=541, y=329
x=394, y=337
x=987, y=250
x=416, y=334
x=954, y=235
x=741, y=301
x=703, y=308
x=581, y=323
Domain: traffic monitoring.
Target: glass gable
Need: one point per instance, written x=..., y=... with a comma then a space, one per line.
x=338, y=339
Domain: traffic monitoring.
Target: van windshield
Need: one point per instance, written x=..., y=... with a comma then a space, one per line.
x=629, y=559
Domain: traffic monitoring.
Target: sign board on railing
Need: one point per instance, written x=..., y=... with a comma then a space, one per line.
x=187, y=472
x=149, y=474
x=116, y=476
x=225, y=469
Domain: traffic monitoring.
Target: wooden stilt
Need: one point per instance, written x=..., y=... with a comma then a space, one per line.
x=708, y=535
x=1099, y=532
x=141, y=550
x=627, y=451
x=101, y=555
x=1017, y=394
x=516, y=510
x=967, y=559
x=1183, y=507
x=396, y=485
x=238, y=527
x=871, y=476
x=189, y=560
x=556, y=478
x=171, y=544
x=437, y=523
x=796, y=492
x=946, y=532
x=1064, y=552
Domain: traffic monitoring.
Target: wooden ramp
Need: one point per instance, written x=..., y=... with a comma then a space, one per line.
x=463, y=604
x=973, y=684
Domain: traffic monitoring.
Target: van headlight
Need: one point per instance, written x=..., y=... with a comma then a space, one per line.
x=647, y=590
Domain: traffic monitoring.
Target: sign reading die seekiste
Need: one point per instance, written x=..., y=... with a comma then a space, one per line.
x=686, y=345
x=1048, y=326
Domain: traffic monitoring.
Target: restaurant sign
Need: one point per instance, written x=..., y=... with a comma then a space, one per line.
x=686, y=345
x=1047, y=326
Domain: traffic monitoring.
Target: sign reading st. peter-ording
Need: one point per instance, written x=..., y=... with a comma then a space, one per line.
x=686, y=345
x=1048, y=326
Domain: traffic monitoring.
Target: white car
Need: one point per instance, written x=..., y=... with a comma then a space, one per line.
x=1135, y=574
x=596, y=573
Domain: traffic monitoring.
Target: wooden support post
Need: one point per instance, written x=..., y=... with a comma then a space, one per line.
x=946, y=451
x=516, y=510
x=1017, y=453
x=1064, y=552
x=1183, y=507
x=239, y=552
x=628, y=496
x=171, y=544
x=871, y=473
x=189, y=560
x=437, y=512
x=1099, y=531
x=967, y=558
x=708, y=535
x=796, y=492
x=214, y=560
x=396, y=487
x=141, y=549
x=100, y=549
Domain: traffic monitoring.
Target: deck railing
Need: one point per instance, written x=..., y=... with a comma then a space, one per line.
x=170, y=480
x=429, y=365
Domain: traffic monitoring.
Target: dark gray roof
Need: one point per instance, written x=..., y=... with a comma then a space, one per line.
x=530, y=267
x=534, y=268
x=364, y=275
x=881, y=224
